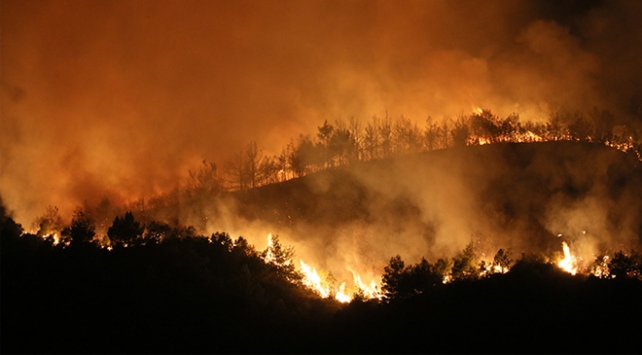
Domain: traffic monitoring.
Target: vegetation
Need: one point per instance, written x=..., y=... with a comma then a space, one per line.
x=342, y=143
x=164, y=289
x=135, y=278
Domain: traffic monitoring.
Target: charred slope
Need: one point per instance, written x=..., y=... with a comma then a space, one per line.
x=499, y=189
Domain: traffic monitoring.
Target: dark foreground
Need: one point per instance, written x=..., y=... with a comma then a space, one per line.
x=192, y=295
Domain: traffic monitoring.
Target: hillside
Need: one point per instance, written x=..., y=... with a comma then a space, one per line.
x=500, y=191
x=209, y=294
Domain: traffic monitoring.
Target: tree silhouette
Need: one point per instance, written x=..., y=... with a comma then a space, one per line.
x=465, y=263
x=305, y=156
x=125, y=231
x=622, y=265
x=281, y=257
x=424, y=276
x=49, y=223
x=81, y=231
x=205, y=181
x=431, y=134
x=502, y=261
x=393, y=278
x=341, y=146
x=460, y=133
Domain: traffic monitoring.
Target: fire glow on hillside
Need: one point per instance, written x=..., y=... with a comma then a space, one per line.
x=135, y=130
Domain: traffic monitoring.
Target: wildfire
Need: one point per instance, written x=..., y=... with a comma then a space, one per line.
x=369, y=291
x=602, y=268
x=341, y=296
x=569, y=263
x=269, y=256
x=313, y=280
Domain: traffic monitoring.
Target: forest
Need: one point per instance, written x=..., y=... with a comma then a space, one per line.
x=344, y=142
x=147, y=277
x=163, y=289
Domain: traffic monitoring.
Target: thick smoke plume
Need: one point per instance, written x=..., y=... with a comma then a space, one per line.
x=122, y=98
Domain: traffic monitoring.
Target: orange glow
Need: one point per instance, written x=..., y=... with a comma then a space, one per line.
x=569, y=263
x=312, y=280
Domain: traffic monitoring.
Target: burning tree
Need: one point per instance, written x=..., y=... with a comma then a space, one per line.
x=281, y=258
x=49, y=225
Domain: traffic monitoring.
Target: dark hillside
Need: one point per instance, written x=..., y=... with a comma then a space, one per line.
x=501, y=190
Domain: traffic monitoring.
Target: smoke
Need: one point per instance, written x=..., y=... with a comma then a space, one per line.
x=122, y=98
x=527, y=198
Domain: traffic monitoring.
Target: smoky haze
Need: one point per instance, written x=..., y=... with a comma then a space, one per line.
x=121, y=98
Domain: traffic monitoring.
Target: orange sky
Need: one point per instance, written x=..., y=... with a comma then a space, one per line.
x=122, y=97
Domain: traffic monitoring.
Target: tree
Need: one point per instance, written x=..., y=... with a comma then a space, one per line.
x=281, y=257
x=49, y=224
x=622, y=265
x=244, y=171
x=400, y=282
x=431, y=134
x=407, y=136
x=465, y=263
x=392, y=279
x=81, y=231
x=371, y=142
x=502, y=261
x=125, y=231
x=269, y=170
x=9, y=229
x=205, y=181
x=580, y=128
x=424, y=276
x=460, y=132
x=384, y=131
x=485, y=125
x=155, y=232
x=356, y=135
x=305, y=156
x=253, y=160
x=341, y=146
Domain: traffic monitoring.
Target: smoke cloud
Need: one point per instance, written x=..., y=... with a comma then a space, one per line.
x=121, y=98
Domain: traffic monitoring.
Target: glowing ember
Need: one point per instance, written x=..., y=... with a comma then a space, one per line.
x=569, y=263
x=602, y=268
x=447, y=279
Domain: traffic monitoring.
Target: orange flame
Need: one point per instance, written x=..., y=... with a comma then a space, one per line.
x=569, y=263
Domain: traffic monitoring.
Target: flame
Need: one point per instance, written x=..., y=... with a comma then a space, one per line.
x=324, y=287
x=313, y=280
x=369, y=291
x=341, y=296
x=56, y=239
x=269, y=256
x=447, y=279
x=602, y=269
x=569, y=263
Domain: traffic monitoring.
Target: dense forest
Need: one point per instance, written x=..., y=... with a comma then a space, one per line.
x=162, y=289
x=146, y=277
